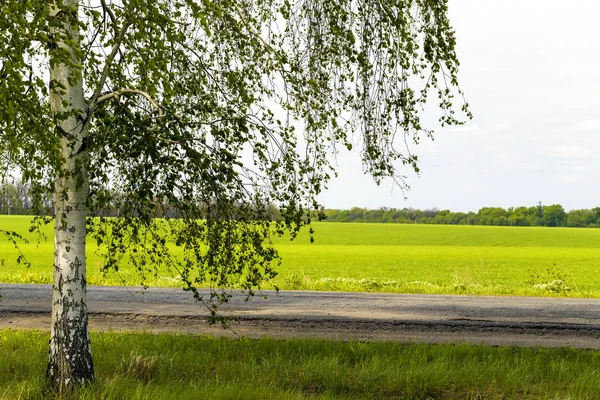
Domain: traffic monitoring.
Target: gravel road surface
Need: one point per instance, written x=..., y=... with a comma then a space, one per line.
x=492, y=320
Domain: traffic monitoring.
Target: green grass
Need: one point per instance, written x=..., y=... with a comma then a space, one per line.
x=446, y=259
x=389, y=258
x=143, y=366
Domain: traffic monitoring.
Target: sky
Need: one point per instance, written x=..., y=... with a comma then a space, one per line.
x=530, y=71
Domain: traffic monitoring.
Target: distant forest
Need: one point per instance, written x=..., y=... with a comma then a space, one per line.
x=15, y=199
x=552, y=215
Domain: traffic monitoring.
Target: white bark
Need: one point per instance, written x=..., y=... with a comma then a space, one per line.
x=70, y=360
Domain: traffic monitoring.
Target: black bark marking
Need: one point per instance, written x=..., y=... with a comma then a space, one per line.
x=70, y=360
x=61, y=132
x=83, y=146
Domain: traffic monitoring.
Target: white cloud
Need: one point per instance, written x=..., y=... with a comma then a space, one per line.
x=566, y=178
x=468, y=128
x=568, y=151
x=556, y=121
x=501, y=127
x=589, y=125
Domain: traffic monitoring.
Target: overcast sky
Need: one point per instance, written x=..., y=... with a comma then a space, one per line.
x=531, y=73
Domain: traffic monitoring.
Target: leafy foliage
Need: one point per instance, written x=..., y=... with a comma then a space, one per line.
x=217, y=110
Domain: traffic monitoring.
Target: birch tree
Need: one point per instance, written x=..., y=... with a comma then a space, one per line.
x=214, y=109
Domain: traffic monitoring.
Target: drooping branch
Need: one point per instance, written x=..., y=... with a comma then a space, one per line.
x=13, y=237
x=241, y=15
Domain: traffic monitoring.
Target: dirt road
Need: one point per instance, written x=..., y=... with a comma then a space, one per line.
x=342, y=316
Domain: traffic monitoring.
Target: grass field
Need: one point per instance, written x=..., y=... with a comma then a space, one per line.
x=142, y=366
x=389, y=258
x=363, y=257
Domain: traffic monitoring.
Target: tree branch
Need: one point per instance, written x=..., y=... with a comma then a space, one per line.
x=111, y=15
x=120, y=92
x=115, y=50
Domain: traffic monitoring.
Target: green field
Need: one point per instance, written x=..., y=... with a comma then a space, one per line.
x=389, y=258
x=145, y=366
x=363, y=257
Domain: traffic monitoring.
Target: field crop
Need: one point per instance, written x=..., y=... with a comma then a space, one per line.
x=385, y=257
x=445, y=259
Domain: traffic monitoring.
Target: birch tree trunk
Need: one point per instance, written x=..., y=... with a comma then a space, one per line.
x=70, y=360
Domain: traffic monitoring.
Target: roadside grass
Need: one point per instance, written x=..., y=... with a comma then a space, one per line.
x=144, y=366
x=433, y=259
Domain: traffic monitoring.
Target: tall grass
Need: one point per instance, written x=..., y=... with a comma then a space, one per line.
x=387, y=258
x=141, y=366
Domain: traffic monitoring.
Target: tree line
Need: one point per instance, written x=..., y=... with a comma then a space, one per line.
x=540, y=215
x=15, y=199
